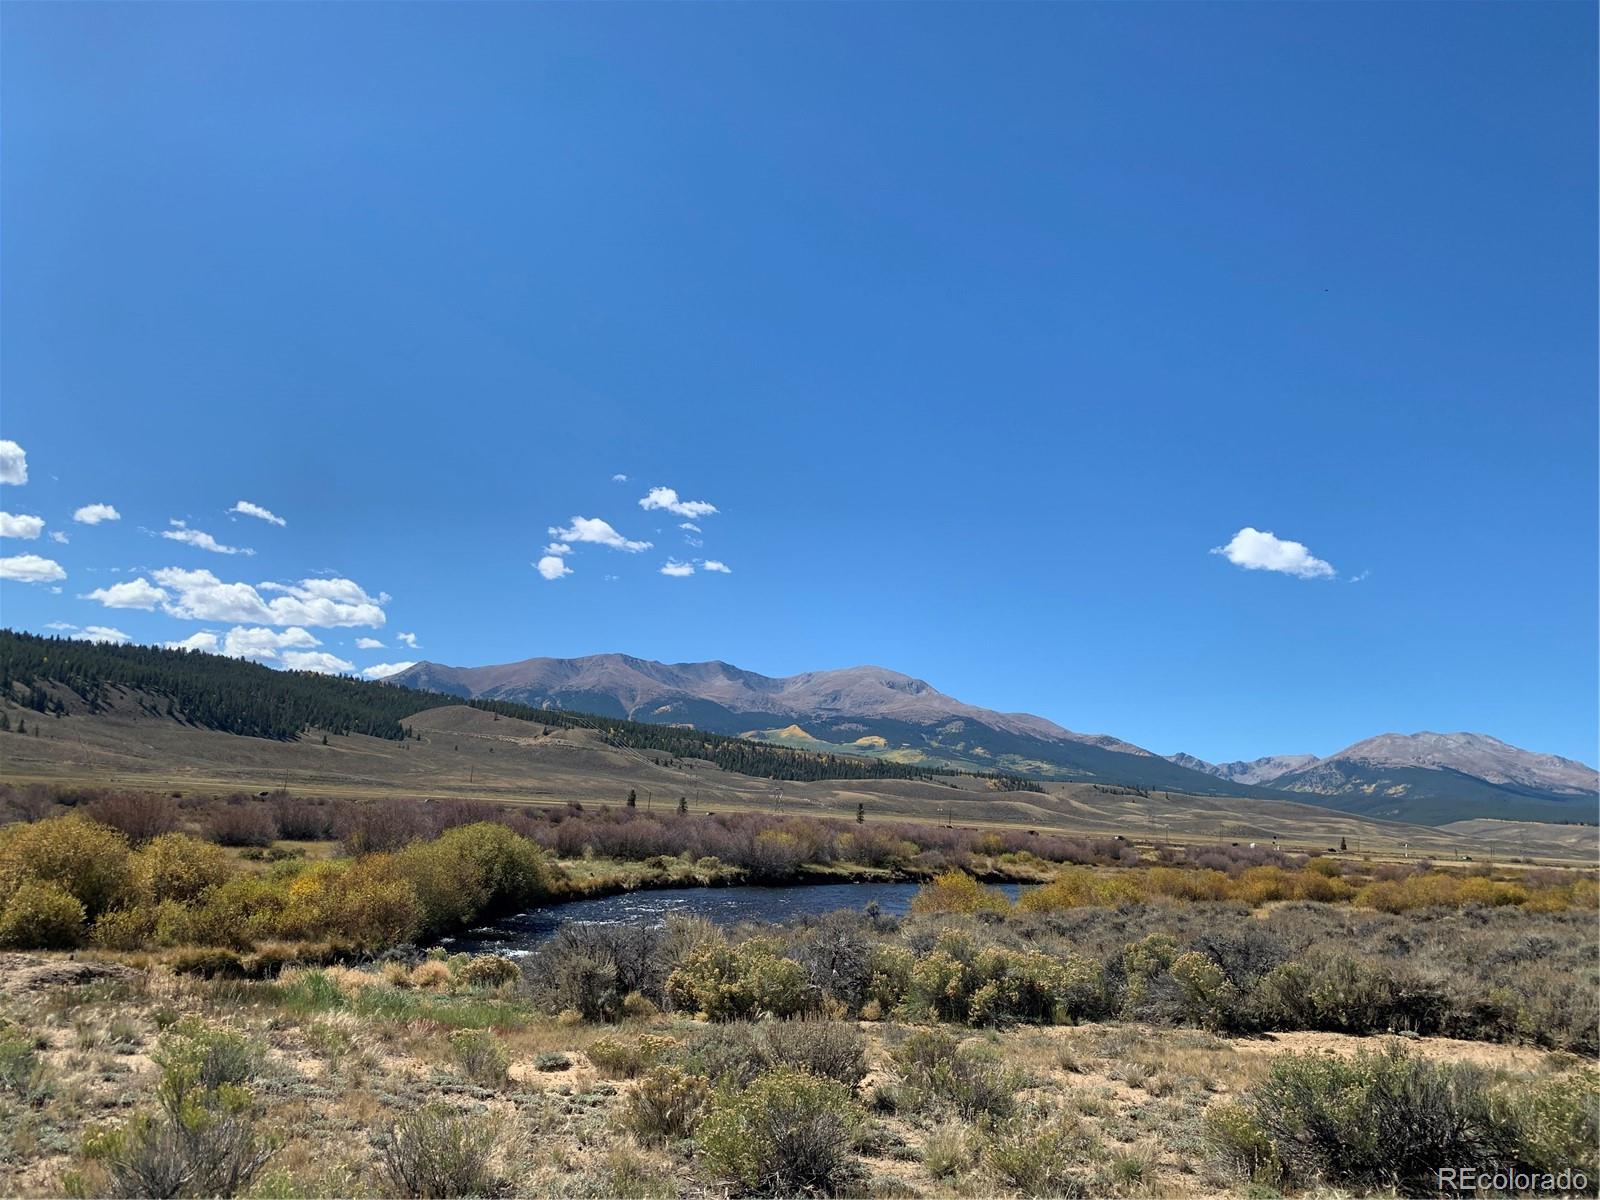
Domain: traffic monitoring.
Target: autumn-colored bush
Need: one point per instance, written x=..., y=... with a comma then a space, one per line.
x=139, y=816
x=175, y=866
x=473, y=870
x=89, y=861
x=749, y=980
x=41, y=916
x=957, y=892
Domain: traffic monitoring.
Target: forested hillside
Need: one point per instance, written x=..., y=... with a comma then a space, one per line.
x=234, y=696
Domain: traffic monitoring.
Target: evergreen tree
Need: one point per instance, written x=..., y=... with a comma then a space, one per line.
x=683, y=806
x=861, y=814
x=633, y=798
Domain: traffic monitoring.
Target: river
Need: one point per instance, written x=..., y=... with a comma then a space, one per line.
x=521, y=933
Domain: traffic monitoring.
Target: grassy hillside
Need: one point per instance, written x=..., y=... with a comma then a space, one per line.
x=229, y=695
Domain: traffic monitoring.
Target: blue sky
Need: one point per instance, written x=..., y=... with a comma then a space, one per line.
x=980, y=327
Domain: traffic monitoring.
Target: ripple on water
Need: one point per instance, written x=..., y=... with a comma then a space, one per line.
x=522, y=933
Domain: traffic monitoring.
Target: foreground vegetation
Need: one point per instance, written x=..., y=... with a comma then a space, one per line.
x=248, y=1009
x=440, y=1076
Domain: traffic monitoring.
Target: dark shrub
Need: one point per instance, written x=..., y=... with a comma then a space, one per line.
x=242, y=822
x=433, y=1152
x=827, y=1049
x=140, y=816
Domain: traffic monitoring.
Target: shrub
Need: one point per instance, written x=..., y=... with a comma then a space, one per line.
x=1380, y=1120
x=203, y=1140
x=41, y=916
x=551, y=1060
x=1036, y=1151
x=242, y=822
x=22, y=1074
x=433, y=1152
x=827, y=1049
x=1340, y=992
x=138, y=816
x=787, y=1134
x=948, y=1151
x=622, y=1058
x=481, y=1057
x=87, y=860
x=473, y=870
x=666, y=1105
x=957, y=892
x=488, y=971
x=180, y=868
x=593, y=968
x=939, y=1071
x=365, y=902
x=1209, y=999
x=729, y=1055
x=741, y=982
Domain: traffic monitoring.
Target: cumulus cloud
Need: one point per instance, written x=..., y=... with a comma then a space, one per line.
x=61, y=626
x=690, y=526
x=1257, y=551
x=26, y=528
x=619, y=478
x=104, y=633
x=553, y=566
x=57, y=536
x=380, y=670
x=598, y=532
x=13, y=462
x=133, y=593
x=319, y=661
x=201, y=596
x=558, y=548
x=712, y=564
x=676, y=569
x=30, y=568
x=93, y=514
x=255, y=510
x=180, y=532
x=367, y=643
x=205, y=640
x=666, y=498
x=407, y=639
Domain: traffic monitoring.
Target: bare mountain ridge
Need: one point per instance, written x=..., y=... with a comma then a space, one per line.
x=647, y=690
x=877, y=712
x=1471, y=754
x=1257, y=771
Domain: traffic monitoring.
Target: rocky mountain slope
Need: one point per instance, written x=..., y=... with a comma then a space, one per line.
x=858, y=710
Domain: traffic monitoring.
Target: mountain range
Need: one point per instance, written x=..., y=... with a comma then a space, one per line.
x=872, y=711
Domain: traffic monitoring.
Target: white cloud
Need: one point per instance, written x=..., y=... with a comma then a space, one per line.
x=260, y=643
x=255, y=510
x=600, y=533
x=553, y=566
x=93, y=514
x=57, y=536
x=104, y=633
x=1360, y=577
x=316, y=660
x=690, y=526
x=180, y=532
x=201, y=596
x=134, y=593
x=26, y=528
x=619, y=478
x=558, y=548
x=13, y=462
x=366, y=643
x=666, y=498
x=1257, y=551
x=204, y=640
x=379, y=670
x=30, y=568
x=712, y=564
x=407, y=639
x=61, y=626
x=677, y=569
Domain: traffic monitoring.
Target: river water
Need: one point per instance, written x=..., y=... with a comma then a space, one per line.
x=519, y=934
